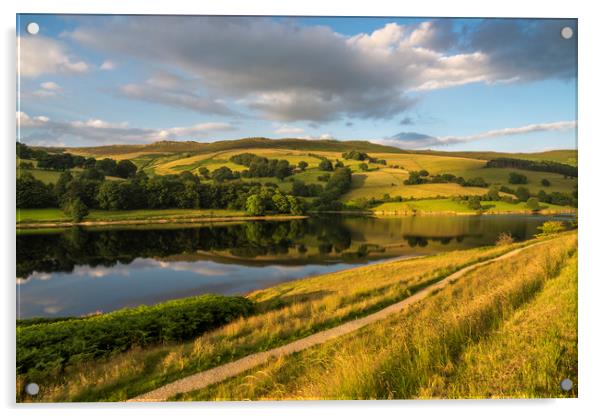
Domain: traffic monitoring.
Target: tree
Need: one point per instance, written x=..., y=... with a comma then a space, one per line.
x=281, y=203
x=522, y=194
x=533, y=204
x=204, y=172
x=363, y=166
x=222, y=174
x=302, y=165
x=91, y=174
x=474, y=202
x=295, y=205
x=423, y=173
x=107, y=166
x=75, y=209
x=545, y=182
x=125, y=169
x=493, y=194
x=33, y=193
x=255, y=205
x=325, y=165
x=516, y=178
x=414, y=178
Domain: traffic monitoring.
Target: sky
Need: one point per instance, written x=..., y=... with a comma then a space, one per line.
x=414, y=83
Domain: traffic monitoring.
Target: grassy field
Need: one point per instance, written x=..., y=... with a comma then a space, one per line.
x=446, y=205
x=175, y=157
x=564, y=156
x=57, y=215
x=285, y=312
x=460, y=342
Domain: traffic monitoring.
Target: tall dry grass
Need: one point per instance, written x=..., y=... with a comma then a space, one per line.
x=418, y=353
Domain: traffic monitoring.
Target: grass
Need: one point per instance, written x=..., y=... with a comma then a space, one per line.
x=173, y=158
x=499, y=176
x=446, y=205
x=388, y=181
x=527, y=356
x=409, y=354
x=285, y=312
x=56, y=215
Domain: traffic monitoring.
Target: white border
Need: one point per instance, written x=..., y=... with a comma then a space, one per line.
x=590, y=111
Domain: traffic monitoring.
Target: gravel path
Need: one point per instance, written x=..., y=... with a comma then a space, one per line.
x=211, y=376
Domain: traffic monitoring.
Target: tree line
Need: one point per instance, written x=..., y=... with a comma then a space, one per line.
x=423, y=177
x=77, y=194
x=64, y=161
x=542, y=166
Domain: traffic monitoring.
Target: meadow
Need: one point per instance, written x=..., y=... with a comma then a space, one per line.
x=284, y=313
x=374, y=181
x=50, y=215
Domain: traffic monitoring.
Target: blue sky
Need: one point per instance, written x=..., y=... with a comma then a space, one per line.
x=416, y=83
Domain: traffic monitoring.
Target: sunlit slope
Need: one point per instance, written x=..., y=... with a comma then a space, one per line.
x=166, y=157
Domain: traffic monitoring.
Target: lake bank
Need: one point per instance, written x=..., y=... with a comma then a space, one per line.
x=451, y=207
x=55, y=218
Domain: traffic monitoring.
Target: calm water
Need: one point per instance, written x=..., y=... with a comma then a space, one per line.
x=81, y=271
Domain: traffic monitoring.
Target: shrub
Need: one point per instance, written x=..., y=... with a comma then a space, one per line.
x=504, y=238
x=76, y=209
x=533, y=204
x=516, y=178
x=545, y=182
x=550, y=228
x=48, y=346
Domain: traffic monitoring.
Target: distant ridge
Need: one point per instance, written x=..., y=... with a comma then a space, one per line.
x=247, y=143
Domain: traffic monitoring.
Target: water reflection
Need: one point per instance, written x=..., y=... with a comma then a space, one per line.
x=79, y=271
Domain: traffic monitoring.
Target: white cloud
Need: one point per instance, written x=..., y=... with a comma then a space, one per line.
x=412, y=140
x=288, y=130
x=50, y=85
x=46, y=131
x=46, y=89
x=39, y=55
x=108, y=65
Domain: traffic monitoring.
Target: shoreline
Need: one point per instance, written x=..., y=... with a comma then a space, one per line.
x=175, y=220
x=407, y=213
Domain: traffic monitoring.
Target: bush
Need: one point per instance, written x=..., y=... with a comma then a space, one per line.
x=325, y=165
x=533, y=204
x=550, y=228
x=76, y=209
x=545, y=182
x=504, y=238
x=49, y=346
x=516, y=178
x=474, y=203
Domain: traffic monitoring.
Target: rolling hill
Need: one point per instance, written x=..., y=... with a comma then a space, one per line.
x=169, y=157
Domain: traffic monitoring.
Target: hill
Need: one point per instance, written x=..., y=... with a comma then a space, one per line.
x=248, y=143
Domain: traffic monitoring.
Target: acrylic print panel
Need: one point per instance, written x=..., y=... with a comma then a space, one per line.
x=273, y=208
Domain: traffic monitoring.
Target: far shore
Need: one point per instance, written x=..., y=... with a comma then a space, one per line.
x=175, y=220
x=409, y=213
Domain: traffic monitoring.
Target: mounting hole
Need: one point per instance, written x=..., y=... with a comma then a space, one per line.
x=33, y=28
x=32, y=388
x=566, y=32
x=566, y=384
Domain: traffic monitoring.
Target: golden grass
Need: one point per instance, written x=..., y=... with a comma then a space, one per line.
x=528, y=355
x=408, y=355
x=288, y=312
